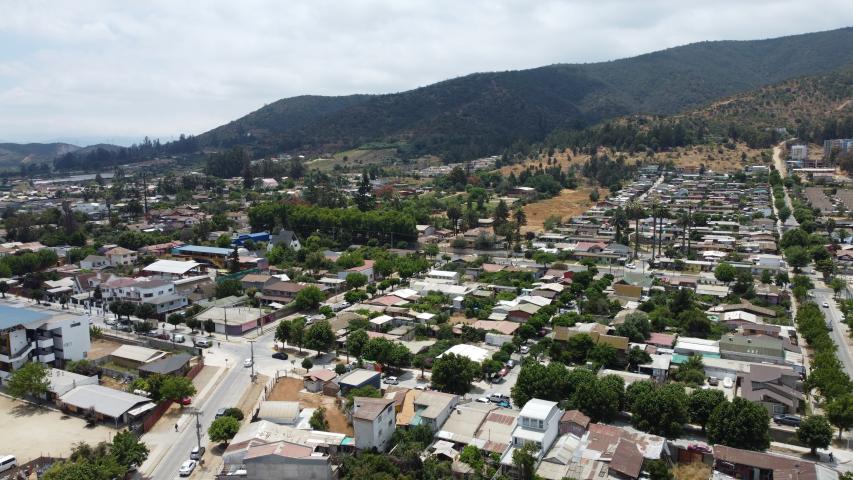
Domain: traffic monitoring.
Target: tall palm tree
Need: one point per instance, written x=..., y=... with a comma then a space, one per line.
x=635, y=212
x=654, y=210
x=685, y=221
x=620, y=222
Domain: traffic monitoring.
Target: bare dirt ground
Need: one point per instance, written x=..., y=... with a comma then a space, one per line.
x=101, y=348
x=567, y=204
x=290, y=389
x=30, y=431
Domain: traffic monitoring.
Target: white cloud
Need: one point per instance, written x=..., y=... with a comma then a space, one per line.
x=104, y=69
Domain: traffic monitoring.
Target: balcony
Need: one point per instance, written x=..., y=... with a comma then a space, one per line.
x=17, y=356
x=47, y=357
x=44, y=342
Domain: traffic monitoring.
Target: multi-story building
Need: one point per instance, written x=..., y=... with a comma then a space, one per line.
x=537, y=424
x=32, y=334
x=162, y=294
x=374, y=422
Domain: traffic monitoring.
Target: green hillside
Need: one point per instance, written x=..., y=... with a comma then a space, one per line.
x=485, y=112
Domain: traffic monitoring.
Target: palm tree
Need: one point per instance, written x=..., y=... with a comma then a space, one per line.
x=654, y=210
x=685, y=221
x=620, y=222
x=635, y=212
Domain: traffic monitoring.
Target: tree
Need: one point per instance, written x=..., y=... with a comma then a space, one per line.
x=228, y=287
x=31, y=379
x=638, y=356
x=739, y=424
x=636, y=327
x=840, y=412
x=307, y=364
x=797, y=257
x=600, y=399
x=658, y=470
x=816, y=432
x=175, y=319
x=4, y=287
x=223, y=429
x=702, y=403
x=453, y=373
x=297, y=332
x=145, y=311
x=356, y=280
x=364, y=196
x=725, y=272
x=356, y=341
x=234, y=412
x=766, y=277
x=128, y=449
x=308, y=298
x=836, y=284
x=661, y=411
x=500, y=215
x=318, y=420
x=520, y=220
x=37, y=295
x=524, y=461
x=209, y=326
x=473, y=457
x=176, y=388
x=320, y=336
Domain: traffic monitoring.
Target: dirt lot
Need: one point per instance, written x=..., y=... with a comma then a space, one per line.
x=101, y=348
x=692, y=471
x=31, y=431
x=290, y=389
x=567, y=204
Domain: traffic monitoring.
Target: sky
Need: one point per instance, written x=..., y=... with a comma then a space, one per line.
x=90, y=71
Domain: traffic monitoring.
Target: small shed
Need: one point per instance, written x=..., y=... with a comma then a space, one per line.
x=316, y=379
x=173, y=365
x=359, y=378
x=279, y=412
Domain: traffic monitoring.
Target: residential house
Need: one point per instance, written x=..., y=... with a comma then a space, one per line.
x=285, y=238
x=366, y=269
x=732, y=462
x=574, y=422
x=107, y=404
x=359, y=378
x=94, y=262
x=538, y=424
x=752, y=348
x=374, y=422
x=315, y=380
x=779, y=389
x=281, y=292
x=120, y=256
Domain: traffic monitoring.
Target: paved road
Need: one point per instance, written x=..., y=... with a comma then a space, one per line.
x=835, y=319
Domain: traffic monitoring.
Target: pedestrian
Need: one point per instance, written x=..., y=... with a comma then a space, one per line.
x=831, y=458
x=218, y=344
x=176, y=427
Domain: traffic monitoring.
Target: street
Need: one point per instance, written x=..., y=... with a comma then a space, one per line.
x=834, y=319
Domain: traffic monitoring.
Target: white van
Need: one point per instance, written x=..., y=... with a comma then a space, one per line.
x=8, y=462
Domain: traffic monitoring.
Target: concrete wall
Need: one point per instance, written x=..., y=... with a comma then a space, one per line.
x=269, y=468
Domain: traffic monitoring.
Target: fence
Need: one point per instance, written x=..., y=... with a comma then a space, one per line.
x=268, y=388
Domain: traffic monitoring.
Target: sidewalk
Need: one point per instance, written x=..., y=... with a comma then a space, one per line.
x=843, y=459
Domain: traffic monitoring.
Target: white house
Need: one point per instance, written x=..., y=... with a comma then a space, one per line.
x=52, y=338
x=285, y=238
x=539, y=424
x=366, y=270
x=443, y=276
x=799, y=153
x=120, y=256
x=374, y=422
x=94, y=262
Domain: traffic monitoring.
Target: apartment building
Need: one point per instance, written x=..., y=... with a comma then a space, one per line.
x=32, y=334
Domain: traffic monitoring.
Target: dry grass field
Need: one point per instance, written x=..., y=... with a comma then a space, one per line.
x=567, y=204
x=290, y=389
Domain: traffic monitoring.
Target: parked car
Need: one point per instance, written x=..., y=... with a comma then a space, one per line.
x=630, y=266
x=695, y=447
x=186, y=401
x=524, y=349
x=510, y=364
x=279, y=356
x=786, y=419
x=8, y=462
x=503, y=372
x=178, y=338
x=248, y=362
x=202, y=343
x=825, y=304
x=187, y=468
x=482, y=399
x=197, y=453
x=713, y=381
x=391, y=380
x=498, y=398
x=727, y=382
x=220, y=413
x=110, y=321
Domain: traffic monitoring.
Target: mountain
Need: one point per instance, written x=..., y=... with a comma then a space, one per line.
x=12, y=155
x=483, y=113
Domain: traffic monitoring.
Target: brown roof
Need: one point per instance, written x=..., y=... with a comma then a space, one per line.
x=283, y=449
x=285, y=287
x=575, y=416
x=627, y=459
x=367, y=408
x=783, y=467
x=322, y=374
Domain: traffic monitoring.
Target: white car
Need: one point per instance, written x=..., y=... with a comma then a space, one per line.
x=247, y=362
x=727, y=382
x=391, y=380
x=482, y=400
x=187, y=468
x=524, y=349
x=825, y=305
x=630, y=266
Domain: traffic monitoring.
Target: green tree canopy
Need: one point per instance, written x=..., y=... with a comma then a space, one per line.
x=739, y=424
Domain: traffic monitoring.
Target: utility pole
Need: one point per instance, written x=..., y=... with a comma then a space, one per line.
x=225, y=312
x=197, y=412
x=252, y=349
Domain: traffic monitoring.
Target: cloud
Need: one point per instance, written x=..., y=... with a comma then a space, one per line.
x=103, y=69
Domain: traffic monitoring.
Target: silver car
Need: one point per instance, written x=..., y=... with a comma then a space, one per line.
x=187, y=468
